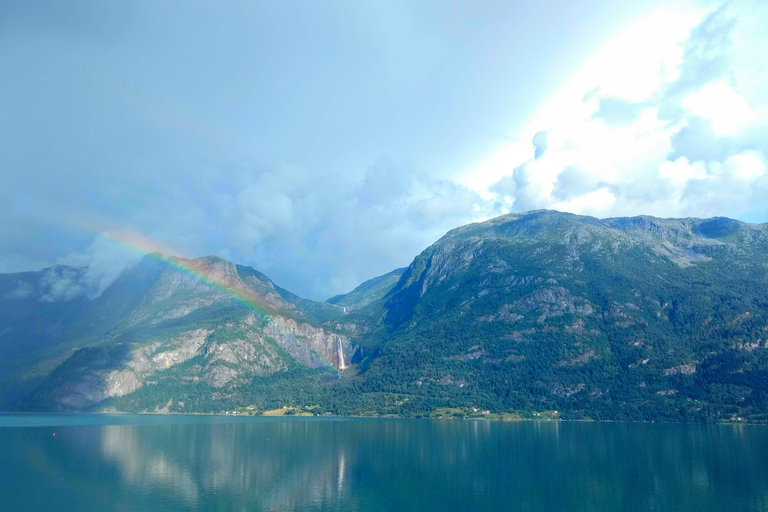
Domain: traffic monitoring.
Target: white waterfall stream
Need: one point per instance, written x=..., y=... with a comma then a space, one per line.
x=342, y=366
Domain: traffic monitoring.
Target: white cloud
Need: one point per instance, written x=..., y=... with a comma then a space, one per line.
x=61, y=284
x=680, y=171
x=102, y=262
x=593, y=203
x=747, y=166
x=727, y=111
x=670, y=118
x=327, y=233
x=653, y=124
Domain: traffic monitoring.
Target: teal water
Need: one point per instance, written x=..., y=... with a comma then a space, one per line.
x=156, y=463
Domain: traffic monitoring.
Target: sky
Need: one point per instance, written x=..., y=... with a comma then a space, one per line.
x=325, y=143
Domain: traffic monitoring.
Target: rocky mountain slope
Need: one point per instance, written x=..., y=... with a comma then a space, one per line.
x=202, y=320
x=628, y=318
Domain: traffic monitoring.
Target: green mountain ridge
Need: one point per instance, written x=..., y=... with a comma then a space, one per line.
x=623, y=318
x=370, y=291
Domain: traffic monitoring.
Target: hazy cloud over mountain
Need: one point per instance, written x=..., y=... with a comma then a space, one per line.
x=325, y=145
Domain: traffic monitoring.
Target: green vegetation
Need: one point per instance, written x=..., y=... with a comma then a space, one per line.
x=537, y=316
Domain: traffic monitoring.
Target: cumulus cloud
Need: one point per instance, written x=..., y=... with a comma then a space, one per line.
x=272, y=205
x=691, y=145
x=540, y=143
x=663, y=120
x=574, y=182
x=325, y=234
x=98, y=267
x=316, y=234
x=61, y=284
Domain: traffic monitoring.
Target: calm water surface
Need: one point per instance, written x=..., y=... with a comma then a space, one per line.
x=158, y=463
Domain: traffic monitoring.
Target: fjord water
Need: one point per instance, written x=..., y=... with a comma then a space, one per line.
x=222, y=463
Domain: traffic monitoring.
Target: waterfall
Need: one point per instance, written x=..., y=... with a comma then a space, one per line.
x=341, y=355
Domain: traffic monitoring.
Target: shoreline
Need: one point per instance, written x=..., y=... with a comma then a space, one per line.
x=334, y=417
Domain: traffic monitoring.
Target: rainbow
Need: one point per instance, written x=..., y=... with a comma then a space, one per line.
x=236, y=290
x=188, y=266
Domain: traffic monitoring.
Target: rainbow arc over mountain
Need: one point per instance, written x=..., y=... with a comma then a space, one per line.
x=236, y=291
x=188, y=266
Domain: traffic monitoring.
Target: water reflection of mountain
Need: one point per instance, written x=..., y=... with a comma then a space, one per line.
x=270, y=466
x=370, y=465
x=367, y=465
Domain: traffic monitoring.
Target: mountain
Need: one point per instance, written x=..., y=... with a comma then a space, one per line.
x=201, y=320
x=370, y=291
x=628, y=318
x=36, y=311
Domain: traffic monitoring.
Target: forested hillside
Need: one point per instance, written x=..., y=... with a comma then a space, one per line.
x=629, y=318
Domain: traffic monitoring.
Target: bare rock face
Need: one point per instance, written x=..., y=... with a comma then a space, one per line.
x=154, y=358
x=98, y=379
x=195, y=308
x=122, y=382
x=310, y=346
x=219, y=376
x=504, y=314
x=231, y=354
x=683, y=369
x=555, y=301
x=189, y=285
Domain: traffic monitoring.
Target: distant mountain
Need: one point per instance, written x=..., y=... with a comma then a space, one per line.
x=629, y=318
x=35, y=312
x=370, y=291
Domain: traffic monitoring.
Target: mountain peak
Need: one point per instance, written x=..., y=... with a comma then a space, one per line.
x=625, y=318
x=552, y=224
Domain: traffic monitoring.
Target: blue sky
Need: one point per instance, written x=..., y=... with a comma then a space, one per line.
x=325, y=144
